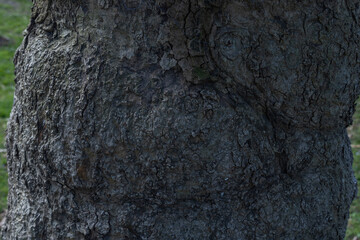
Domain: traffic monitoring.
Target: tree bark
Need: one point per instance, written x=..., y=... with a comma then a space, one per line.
x=183, y=119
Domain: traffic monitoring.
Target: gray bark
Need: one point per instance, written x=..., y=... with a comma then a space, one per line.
x=183, y=119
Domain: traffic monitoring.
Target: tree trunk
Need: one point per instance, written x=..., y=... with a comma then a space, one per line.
x=183, y=119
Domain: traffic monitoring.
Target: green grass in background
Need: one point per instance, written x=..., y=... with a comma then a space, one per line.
x=353, y=231
x=14, y=17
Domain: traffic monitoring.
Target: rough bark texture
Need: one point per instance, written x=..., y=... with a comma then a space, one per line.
x=183, y=119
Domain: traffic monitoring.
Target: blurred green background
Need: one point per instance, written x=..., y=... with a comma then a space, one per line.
x=353, y=231
x=14, y=17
